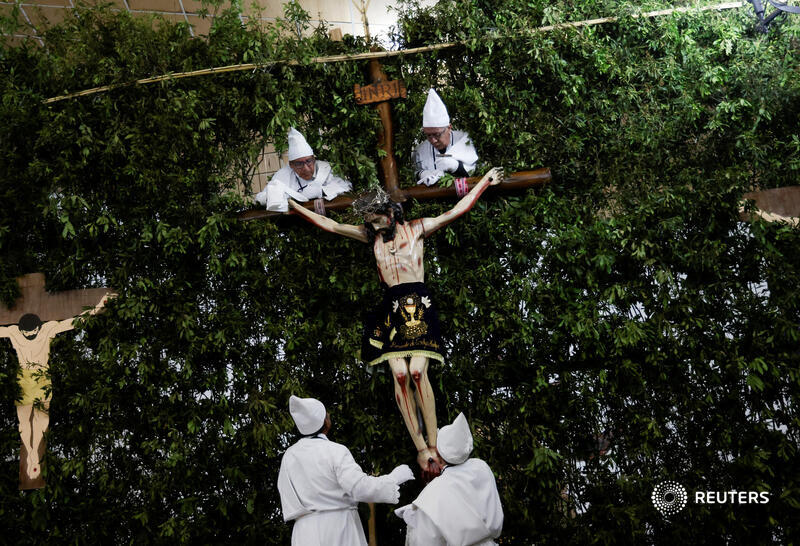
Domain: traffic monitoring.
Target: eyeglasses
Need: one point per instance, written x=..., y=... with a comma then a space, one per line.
x=434, y=136
x=297, y=164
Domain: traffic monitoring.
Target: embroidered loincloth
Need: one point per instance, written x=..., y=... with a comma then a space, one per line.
x=405, y=324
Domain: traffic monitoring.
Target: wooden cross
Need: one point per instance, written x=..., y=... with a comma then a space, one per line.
x=777, y=204
x=51, y=315
x=49, y=306
x=380, y=92
x=386, y=135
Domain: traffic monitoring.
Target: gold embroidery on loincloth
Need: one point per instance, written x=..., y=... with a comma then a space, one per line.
x=412, y=311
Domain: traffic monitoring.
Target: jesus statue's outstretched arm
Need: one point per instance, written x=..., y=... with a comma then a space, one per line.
x=323, y=222
x=492, y=178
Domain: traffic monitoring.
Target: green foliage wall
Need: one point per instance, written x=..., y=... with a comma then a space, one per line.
x=625, y=299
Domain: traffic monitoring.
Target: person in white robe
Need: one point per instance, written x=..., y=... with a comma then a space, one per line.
x=444, y=149
x=462, y=506
x=320, y=483
x=303, y=179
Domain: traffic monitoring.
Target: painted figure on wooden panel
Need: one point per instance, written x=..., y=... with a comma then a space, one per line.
x=31, y=338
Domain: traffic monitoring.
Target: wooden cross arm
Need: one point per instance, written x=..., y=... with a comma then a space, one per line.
x=513, y=181
x=49, y=305
x=777, y=204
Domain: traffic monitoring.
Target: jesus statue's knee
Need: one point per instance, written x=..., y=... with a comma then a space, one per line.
x=419, y=368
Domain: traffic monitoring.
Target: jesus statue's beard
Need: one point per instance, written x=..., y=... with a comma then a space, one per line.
x=388, y=232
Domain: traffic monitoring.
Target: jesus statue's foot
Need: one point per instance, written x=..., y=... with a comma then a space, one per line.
x=430, y=463
x=34, y=468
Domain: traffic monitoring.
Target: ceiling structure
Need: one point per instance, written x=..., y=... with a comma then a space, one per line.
x=342, y=14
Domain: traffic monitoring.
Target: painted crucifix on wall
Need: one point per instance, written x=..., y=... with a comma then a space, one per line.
x=31, y=324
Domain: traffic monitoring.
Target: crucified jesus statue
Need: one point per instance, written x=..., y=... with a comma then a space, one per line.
x=404, y=331
x=31, y=339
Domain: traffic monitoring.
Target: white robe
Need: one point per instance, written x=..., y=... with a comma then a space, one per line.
x=460, y=148
x=320, y=486
x=459, y=508
x=285, y=184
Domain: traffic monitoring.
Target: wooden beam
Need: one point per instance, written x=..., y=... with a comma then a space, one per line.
x=514, y=181
x=388, y=163
x=48, y=306
x=782, y=201
x=775, y=205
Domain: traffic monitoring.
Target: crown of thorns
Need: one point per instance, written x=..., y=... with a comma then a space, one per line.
x=372, y=202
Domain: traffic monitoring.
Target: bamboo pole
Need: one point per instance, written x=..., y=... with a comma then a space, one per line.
x=376, y=54
x=250, y=66
x=362, y=9
x=514, y=181
x=648, y=14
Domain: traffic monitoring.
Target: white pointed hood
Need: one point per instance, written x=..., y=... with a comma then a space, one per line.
x=455, y=441
x=298, y=147
x=434, y=114
x=308, y=414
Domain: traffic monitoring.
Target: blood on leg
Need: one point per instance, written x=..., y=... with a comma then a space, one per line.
x=405, y=400
x=427, y=403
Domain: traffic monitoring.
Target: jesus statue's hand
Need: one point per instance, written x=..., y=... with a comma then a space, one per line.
x=495, y=176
